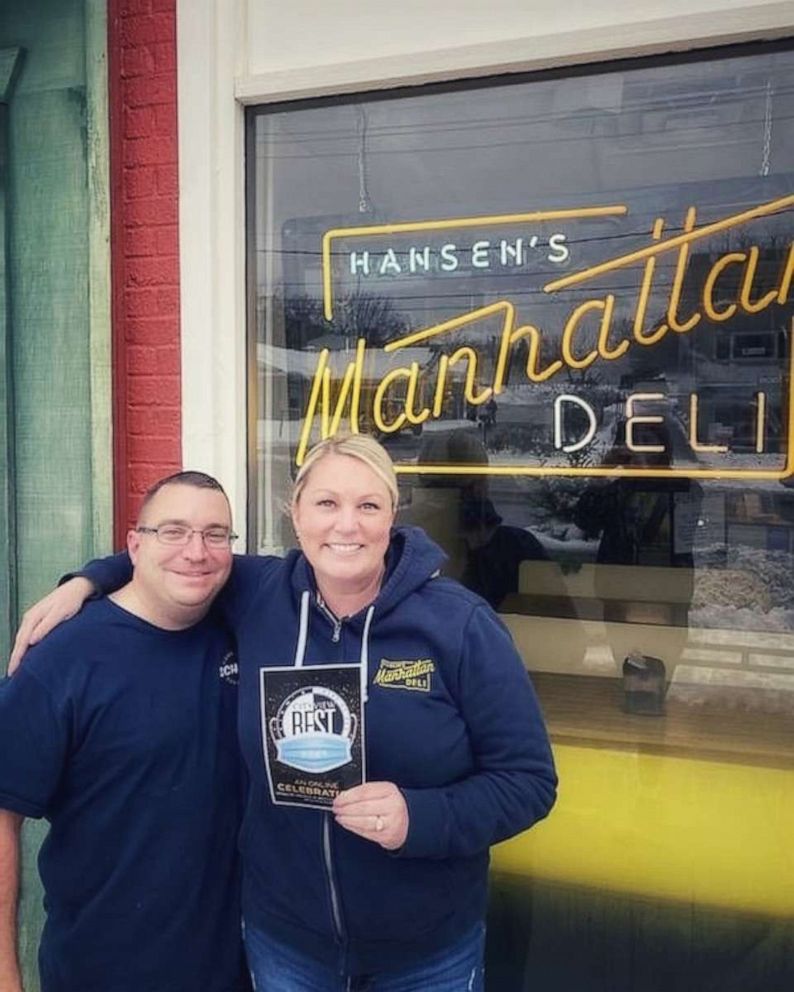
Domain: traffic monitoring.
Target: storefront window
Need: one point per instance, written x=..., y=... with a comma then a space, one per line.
x=564, y=303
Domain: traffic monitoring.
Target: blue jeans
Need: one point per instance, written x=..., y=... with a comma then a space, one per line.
x=277, y=968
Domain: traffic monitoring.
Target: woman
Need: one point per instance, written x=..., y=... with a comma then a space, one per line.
x=386, y=891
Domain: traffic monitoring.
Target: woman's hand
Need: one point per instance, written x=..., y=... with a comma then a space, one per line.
x=59, y=605
x=376, y=811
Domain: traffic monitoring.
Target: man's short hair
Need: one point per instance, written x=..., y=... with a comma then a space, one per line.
x=199, y=480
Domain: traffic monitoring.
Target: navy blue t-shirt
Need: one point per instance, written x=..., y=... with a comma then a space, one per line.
x=123, y=736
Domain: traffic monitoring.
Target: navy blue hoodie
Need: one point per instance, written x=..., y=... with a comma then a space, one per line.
x=470, y=754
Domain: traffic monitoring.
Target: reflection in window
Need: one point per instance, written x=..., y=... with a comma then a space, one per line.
x=564, y=304
x=593, y=423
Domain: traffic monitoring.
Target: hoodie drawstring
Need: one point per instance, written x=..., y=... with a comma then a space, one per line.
x=303, y=630
x=303, y=636
x=365, y=654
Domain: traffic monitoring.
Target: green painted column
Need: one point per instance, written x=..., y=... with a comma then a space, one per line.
x=9, y=63
x=56, y=318
x=55, y=382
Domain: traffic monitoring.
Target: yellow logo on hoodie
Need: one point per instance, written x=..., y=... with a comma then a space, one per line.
x=405, y=674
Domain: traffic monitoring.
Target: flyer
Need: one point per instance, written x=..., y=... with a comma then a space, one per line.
x=312, y=732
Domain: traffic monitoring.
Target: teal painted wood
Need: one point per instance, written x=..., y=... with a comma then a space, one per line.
x=50, y=319
x=99, y=304
x=7, y=564
x=57, y=323
x=10, y=60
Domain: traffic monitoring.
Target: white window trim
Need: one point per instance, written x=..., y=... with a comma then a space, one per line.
x=213, y=87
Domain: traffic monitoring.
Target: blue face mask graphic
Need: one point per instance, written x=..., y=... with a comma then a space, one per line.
x=314, y=752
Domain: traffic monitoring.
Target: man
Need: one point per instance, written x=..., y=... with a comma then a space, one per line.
x=120, y=730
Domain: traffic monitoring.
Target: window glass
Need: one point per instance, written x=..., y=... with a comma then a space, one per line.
x=564, y=304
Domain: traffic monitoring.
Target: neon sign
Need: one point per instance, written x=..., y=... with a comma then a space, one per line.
x=412, y=395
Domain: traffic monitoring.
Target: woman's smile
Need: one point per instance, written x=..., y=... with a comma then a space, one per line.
x=343, y=520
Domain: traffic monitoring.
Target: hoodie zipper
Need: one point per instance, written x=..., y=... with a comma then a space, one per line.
x=336, y=913
x=336, y=624
x=332, y=618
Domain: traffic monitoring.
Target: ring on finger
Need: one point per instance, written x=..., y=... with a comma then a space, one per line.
x=379, y=823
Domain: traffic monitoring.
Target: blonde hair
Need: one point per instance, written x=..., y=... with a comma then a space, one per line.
x=366, y=449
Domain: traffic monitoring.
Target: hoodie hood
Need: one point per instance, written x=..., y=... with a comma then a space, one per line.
x=411, y=560
x=449, y=717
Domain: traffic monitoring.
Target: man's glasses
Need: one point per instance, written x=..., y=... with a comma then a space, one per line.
x=177, y=535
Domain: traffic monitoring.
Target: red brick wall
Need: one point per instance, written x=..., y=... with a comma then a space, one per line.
x=144, y=249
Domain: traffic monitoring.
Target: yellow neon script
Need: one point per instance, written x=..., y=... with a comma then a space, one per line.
x=402, y=397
